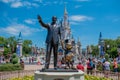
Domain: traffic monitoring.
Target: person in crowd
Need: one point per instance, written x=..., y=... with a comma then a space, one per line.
x=115, y=65
x=80, y=66
x=107, y=68
x=30, y=60
x=22, y=63
x=89, y=66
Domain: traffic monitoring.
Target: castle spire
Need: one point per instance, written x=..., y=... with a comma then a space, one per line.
x=65, y=16
x=100, y=36
x=79, y=43
x=20, y=36
x=65, y=10
x=19, y=45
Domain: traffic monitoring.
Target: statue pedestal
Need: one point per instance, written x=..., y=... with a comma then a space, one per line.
x=59, y=75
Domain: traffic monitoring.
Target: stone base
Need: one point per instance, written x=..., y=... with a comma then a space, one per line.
x=59, y=75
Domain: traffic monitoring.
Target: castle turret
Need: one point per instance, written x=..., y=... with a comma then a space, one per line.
x=79, y=46
x=101, y=45
x=65, y=26
x=19, y=45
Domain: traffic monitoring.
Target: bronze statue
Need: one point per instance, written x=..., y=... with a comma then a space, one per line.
x=69, y=55
x=52, y=40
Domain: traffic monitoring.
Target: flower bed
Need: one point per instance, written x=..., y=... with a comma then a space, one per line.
x=87, y=77
x=24, y=78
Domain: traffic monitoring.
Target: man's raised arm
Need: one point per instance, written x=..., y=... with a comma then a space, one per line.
x=41, y=22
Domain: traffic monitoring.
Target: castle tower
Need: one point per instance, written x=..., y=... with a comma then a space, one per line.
x=79, y=46
x=19, y=45
x=65, y=26
x=101, y=45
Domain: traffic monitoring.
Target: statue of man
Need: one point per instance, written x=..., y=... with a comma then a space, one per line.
x=52, y=40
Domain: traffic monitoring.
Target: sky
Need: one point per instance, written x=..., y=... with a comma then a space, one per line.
x=87, y=19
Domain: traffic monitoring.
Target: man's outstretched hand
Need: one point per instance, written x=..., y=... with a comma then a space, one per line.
x=39, y=18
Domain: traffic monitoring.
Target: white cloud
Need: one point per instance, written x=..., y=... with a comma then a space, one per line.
x=5, y=1
x=20, y=3
x=80, y=18
x=82, y=0
x=77, y=6
x=116, y=20
x=55, y=2
x=40, y=1
x=35, y=5
x=14, y=29
x=29, y=4
x=30, y=21
x=16, y=4
x=74, y=23
x=10, y=1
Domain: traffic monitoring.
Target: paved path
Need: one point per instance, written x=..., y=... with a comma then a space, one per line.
x=35, y=67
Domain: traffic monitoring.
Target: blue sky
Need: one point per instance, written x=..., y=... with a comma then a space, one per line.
x=87, y=18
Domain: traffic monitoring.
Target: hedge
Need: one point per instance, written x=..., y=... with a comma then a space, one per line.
x=10, y=67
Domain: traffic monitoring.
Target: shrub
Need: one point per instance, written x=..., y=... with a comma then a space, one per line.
x=90, y=77
x=15, y=60
x=24, y=78
x=14, y=55
x=87, y=77
x=10, y=67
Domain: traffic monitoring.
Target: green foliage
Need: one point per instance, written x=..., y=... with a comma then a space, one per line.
x=95, y=50
x=107, y=57
x=14, y=58
x=90, y=77
x=2, y=40
x=10, y=67
x=1, y=53
x=112, y=50
x=6, y=52
x=14, y=55
x=27, y=46
x=12, y=41
x=99, y=66
x=87, y=77
x=24, y=78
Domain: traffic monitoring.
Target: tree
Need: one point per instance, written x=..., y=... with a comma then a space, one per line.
x=27, y=46
x=2, y=40
x=14, y=58
x=113, y=52
x=12, y=42
x=95, y=50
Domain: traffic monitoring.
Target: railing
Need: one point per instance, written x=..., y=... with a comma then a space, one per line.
x=107, y=74
x=15, y=74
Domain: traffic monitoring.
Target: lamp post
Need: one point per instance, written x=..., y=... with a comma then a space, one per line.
x=8, y=45
x=108, y=48
x=99, y=51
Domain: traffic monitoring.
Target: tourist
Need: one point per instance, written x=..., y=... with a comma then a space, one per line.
x=80, y=66
x=107, y=68
x=89, y=66
x=115, y=65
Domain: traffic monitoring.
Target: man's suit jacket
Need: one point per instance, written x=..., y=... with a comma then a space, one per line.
x=53, y=33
